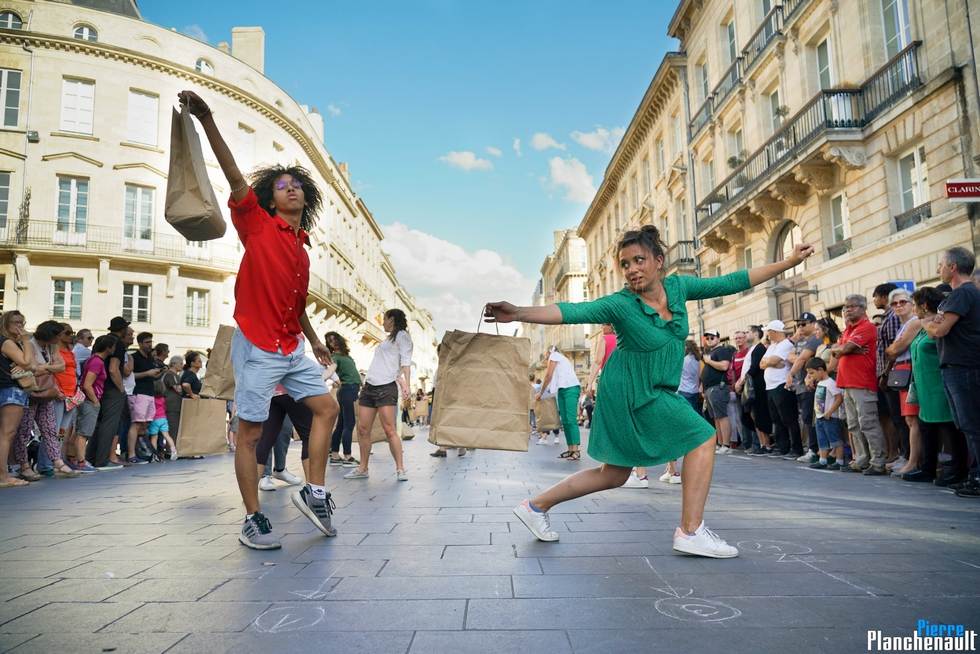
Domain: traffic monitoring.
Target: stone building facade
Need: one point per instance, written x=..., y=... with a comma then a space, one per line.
x=83, y=167
x=808, y=120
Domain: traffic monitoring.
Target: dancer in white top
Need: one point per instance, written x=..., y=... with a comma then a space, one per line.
x=390, y=372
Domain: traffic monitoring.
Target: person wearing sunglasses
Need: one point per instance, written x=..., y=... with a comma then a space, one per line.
x=900, y=358
x=82, y=349
x=273, y=217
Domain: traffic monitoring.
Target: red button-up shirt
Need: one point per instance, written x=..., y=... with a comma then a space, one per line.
x=858, y=370
x=273, y=280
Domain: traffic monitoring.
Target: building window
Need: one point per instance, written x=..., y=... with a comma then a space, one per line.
x=788, y=238
x=197, y=308
x=138, y=226
x=745, y=260
x=681, y=208
x=143, y=111
x=898, y=34
x=736, y=148
x=703, y=78
x=136, y=302
x=913, y=178
x=635, y=192
x=775, y=112
x=660, y=157
x=730, y=39
x=840, y=224
x=3, y=289
x=86, y=33
x=66, y=300
x=10, y=96
x=665, y=229
x=646, y=177
x=72, y=222
x=4, y=201
x=824, y=72
x=675, y=130
x=246, y=147
x=10, y=21
x=204, y=66
x=77, y=106
x=708, y=176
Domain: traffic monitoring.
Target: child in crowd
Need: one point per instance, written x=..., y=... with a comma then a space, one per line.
x=827, y=408
x=160, y=424
x=93, y=382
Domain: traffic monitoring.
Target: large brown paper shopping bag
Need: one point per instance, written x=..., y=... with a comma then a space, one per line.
x=481, y=399
x=192, y=207
x=202, y=428
x=546, y=417
x=219, y=380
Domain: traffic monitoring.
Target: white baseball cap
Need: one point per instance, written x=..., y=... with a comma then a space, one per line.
x=775, y=326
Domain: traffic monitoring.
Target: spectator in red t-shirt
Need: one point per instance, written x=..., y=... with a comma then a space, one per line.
x=273, y=218
x=856, y=376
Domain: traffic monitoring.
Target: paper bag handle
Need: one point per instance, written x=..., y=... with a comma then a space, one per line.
x=484, y=313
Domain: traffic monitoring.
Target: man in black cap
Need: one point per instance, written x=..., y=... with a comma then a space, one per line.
x=805, y=347
x=717, y=360
x=101, y=451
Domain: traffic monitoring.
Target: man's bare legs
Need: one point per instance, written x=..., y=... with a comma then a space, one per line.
x=245, y=468
x=325, y=410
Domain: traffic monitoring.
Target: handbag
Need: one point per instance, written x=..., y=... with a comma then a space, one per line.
x=898, y=380
x=46, y=392
x=26, y=380
x=912, y=397
x=74, y=400
x=748, y=391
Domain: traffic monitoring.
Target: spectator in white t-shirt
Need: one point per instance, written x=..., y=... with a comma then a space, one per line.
x=782, y=402
x=828, y=413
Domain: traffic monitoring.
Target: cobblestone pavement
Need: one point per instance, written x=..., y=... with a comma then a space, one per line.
x=147, y=559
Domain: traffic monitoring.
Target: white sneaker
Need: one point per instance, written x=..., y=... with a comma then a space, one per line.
x=288, y=477
x=636, y=482
x=542, y=441
x=724, y=449
x=537, y=522
x=462, y=452
x=807, y=456
x=402, y=475
x=704, y=542
x=675, y=478
x=267, y=484
x=556, y=440
x=897, y=464
x=173, y=455
x=666, y=476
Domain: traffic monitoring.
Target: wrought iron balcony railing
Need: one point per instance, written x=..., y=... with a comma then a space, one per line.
x=768, y=30
x=913, y=216
x=701, y=118
x=569, y=267
x=831, y=109
x=681, y=253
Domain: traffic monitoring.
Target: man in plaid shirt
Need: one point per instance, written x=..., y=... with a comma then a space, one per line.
x=889, y=408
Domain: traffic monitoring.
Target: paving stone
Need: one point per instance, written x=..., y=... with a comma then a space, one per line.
x=81, y=590
x=250, y=642
x=168, y=590
x=52, y=617
x=186, y=617
x=491, y=642
x=106, y=642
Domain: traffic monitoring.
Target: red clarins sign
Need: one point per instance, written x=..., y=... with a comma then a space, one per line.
x=963, y=190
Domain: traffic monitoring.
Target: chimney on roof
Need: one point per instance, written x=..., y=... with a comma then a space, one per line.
x=224, y=47
x=248, y=46
x=345, y=171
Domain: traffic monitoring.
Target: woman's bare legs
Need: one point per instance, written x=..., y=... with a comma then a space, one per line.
x=915, y=445
x=10, y=417
x=699, y=465
x=387, y=416
x=365, y=422
x=583, y=483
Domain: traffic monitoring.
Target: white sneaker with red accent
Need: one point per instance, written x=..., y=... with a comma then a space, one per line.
x=636, y=482
x=536, y=521
x=704, y=542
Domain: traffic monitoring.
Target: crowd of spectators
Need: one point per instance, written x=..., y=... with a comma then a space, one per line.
x=899, y=396
x=72, y=404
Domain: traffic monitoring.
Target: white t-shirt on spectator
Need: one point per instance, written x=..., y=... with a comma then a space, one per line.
x=129, y=381
x=389, y=358
x=776, y=377
x=564, y=375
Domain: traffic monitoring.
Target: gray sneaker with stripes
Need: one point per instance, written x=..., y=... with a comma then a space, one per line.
x=257, y=534
x=318, y=511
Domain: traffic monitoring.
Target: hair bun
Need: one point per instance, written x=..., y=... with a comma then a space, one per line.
x=652, y=231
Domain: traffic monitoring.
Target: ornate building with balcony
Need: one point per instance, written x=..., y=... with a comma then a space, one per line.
x=83, y=167
x=563, y=279
x=808, y=120
x=831, y=123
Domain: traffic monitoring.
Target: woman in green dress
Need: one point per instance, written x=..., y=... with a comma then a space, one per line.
x=642, y=421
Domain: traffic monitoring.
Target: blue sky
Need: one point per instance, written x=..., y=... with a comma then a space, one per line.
x=414, y=93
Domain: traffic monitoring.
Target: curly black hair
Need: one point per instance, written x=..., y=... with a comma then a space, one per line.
x=264, y=179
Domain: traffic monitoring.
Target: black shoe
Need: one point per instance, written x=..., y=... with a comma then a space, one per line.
x=918, y=475
x=875, y=471
x=952, y=481
x=851, y=468
x=438, y=453
x=970, y=489
x=818, y=465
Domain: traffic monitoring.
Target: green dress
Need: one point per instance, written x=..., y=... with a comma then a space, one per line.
x=933, y=405
x=640, y=420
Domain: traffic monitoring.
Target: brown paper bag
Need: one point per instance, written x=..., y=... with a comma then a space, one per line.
x=481, y=400
x=219, y=379
x=192, y=207
x=546, y=415
x=202, y=428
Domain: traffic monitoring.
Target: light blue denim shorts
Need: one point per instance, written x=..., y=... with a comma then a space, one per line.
x=257, y=373
x=14, y=395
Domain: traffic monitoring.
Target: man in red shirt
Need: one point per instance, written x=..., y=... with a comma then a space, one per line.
x=856, y=377
x=272, y=218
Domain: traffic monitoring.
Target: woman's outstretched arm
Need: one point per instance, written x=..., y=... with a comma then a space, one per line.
x=506, y=312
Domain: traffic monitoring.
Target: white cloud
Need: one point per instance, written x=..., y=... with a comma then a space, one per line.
x=466, y=161
x=571, y=175
x=517, y=147
x=450, y=282
x=195, y=32
x=601, y=140
x=334, y=111
x=540, y=141
x=494, y=151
